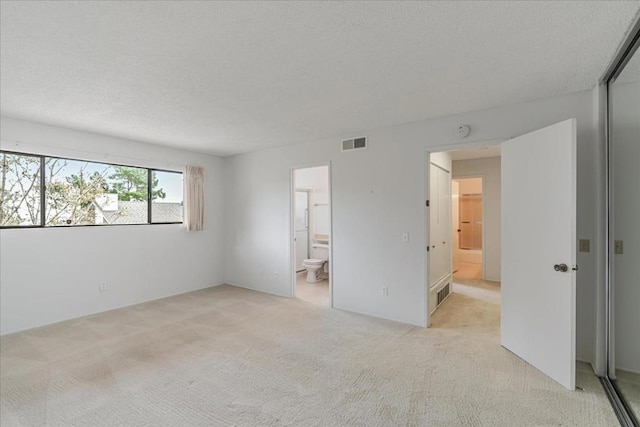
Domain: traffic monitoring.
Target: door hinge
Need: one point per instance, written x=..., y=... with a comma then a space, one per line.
x=427, y=203
x=427, y=248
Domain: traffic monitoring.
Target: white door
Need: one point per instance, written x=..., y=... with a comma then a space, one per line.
x=434, y=230
x=439, y=224
x=538, y=242
x=455, y=222
x=444, y=206
x=301, y=228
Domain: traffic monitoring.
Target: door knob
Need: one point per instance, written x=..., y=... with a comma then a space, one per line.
x=561, y=267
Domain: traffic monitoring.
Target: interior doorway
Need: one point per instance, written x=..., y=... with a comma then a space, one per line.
x=467, y=221
x=532, y=262
x=459, y=261
x=311, y=234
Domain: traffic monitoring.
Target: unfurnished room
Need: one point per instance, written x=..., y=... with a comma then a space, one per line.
x=319, y=213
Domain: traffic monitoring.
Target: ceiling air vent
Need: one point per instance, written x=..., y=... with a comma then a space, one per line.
x=354, y=143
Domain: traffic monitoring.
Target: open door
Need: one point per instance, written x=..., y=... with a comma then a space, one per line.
x=538, y=320
x=301, y=224
x=455, y=223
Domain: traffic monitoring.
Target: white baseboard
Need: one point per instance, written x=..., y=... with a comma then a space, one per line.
x=391, y=319
x=111, y=309
x=588, y=362
x=257, y=290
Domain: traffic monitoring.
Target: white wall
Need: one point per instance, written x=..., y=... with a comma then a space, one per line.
x=379, y=193
x=489, y=169
x=599, y=243
x=470, y=185
x=625, y=147
x=52, y=274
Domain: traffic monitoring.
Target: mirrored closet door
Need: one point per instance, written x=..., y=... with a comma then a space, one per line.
x=624, y=231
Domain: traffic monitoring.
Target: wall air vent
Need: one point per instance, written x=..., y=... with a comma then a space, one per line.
x=443, y=293
x=354, y=143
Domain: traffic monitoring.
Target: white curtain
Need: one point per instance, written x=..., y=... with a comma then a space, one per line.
x=194, y=198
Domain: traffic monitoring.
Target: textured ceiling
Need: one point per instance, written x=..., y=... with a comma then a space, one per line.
x=233, y=77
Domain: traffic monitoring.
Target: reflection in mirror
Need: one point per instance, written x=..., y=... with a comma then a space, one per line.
x=624, y=140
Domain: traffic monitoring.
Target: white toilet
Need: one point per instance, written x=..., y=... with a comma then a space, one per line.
x=315, y=266
x=314, y=269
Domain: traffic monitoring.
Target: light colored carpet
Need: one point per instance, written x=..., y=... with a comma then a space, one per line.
x=228, y=356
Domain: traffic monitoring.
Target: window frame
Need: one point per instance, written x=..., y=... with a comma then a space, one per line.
x=150, y=193
x=40, y=187
x=42, y=158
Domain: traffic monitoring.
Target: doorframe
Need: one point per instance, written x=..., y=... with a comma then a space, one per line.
x=301, y=190
x=425, y=179
x=292, y=243
x=484, y=209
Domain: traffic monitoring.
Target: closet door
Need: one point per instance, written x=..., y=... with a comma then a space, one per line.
x=440, y=224
x=444, y=207
x=434, y=230
x=624, y=211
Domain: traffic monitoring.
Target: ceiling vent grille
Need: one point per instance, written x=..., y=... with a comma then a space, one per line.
x=354, y=143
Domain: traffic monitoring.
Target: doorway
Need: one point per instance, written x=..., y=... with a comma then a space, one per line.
x=473, y=210
x=467, y=222
x=311, y=234
x=534, y=262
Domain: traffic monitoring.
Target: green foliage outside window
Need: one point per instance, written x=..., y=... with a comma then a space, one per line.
x=76, y=192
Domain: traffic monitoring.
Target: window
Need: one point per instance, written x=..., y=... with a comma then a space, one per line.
x=20, y=190
x=49, y=191
x=166, y=197
x=89, y=193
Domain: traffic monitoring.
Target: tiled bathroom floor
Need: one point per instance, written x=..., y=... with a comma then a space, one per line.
x=316, y=293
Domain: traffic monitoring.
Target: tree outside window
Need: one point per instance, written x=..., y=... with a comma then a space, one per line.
x=83, y=193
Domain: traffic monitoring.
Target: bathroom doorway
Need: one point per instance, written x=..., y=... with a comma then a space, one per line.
x=311, y=234
x=467, y=222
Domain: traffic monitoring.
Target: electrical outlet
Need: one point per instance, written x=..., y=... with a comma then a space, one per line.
x=102, y=287
x=405, y=237
x=618, y=247
x=584, y=245
x=384, y=291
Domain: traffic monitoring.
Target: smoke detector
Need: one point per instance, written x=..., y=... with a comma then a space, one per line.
x=463, y=131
